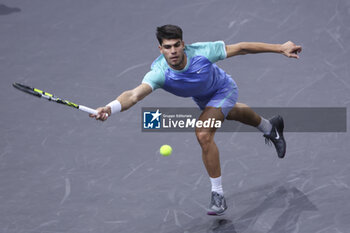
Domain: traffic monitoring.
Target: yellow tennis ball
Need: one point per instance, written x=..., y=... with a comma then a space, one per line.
x=165, y=150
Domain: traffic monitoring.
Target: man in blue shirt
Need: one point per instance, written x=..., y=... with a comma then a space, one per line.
x=190, y=71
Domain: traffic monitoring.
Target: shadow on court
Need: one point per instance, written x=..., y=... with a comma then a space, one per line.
x=288, y=203
x=5, y=10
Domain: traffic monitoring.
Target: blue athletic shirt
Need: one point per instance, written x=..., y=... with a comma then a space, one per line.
x=201, y=77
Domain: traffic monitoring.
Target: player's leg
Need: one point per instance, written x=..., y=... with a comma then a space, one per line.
x=272, y=129
x=243, y=113
x=205, y=137
x=211, y=159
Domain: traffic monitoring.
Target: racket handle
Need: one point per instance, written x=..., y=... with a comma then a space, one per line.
x=87, y=109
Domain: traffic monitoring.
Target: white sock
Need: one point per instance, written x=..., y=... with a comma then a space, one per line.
x=265, y=126
x=216, y=185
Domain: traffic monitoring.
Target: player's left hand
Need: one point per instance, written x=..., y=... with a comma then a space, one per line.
x=291, y=50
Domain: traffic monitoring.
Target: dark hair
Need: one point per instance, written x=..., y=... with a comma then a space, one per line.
x=168, y=32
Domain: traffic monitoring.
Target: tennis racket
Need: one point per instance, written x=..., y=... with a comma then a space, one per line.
x=50, y=97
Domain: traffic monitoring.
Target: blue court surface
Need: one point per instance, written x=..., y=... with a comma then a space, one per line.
x=61, y=171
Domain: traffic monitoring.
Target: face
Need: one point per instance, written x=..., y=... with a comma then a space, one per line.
x=173, y=51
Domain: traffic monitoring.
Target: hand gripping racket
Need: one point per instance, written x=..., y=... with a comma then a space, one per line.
x=50, y=97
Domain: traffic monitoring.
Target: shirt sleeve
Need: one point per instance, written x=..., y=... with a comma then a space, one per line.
x=155, y=79
x=214, y=51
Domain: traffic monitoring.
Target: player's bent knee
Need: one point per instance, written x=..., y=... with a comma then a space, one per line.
x=204, y=137
x=237, y=112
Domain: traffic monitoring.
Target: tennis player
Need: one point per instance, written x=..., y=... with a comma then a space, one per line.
x=190, y=71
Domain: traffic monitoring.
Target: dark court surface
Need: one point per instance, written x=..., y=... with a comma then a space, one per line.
x=61, y=171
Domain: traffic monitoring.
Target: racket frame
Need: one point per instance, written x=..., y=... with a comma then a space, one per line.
x=50, y=97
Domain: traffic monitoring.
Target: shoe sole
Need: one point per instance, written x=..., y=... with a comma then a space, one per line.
x=281, y=126
x=214, y=213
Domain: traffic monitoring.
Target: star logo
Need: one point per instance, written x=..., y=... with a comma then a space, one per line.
x=156, y=115
x=152, y=119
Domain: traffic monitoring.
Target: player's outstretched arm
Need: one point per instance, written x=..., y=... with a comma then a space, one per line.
x=288, y=49
x=127, y=99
